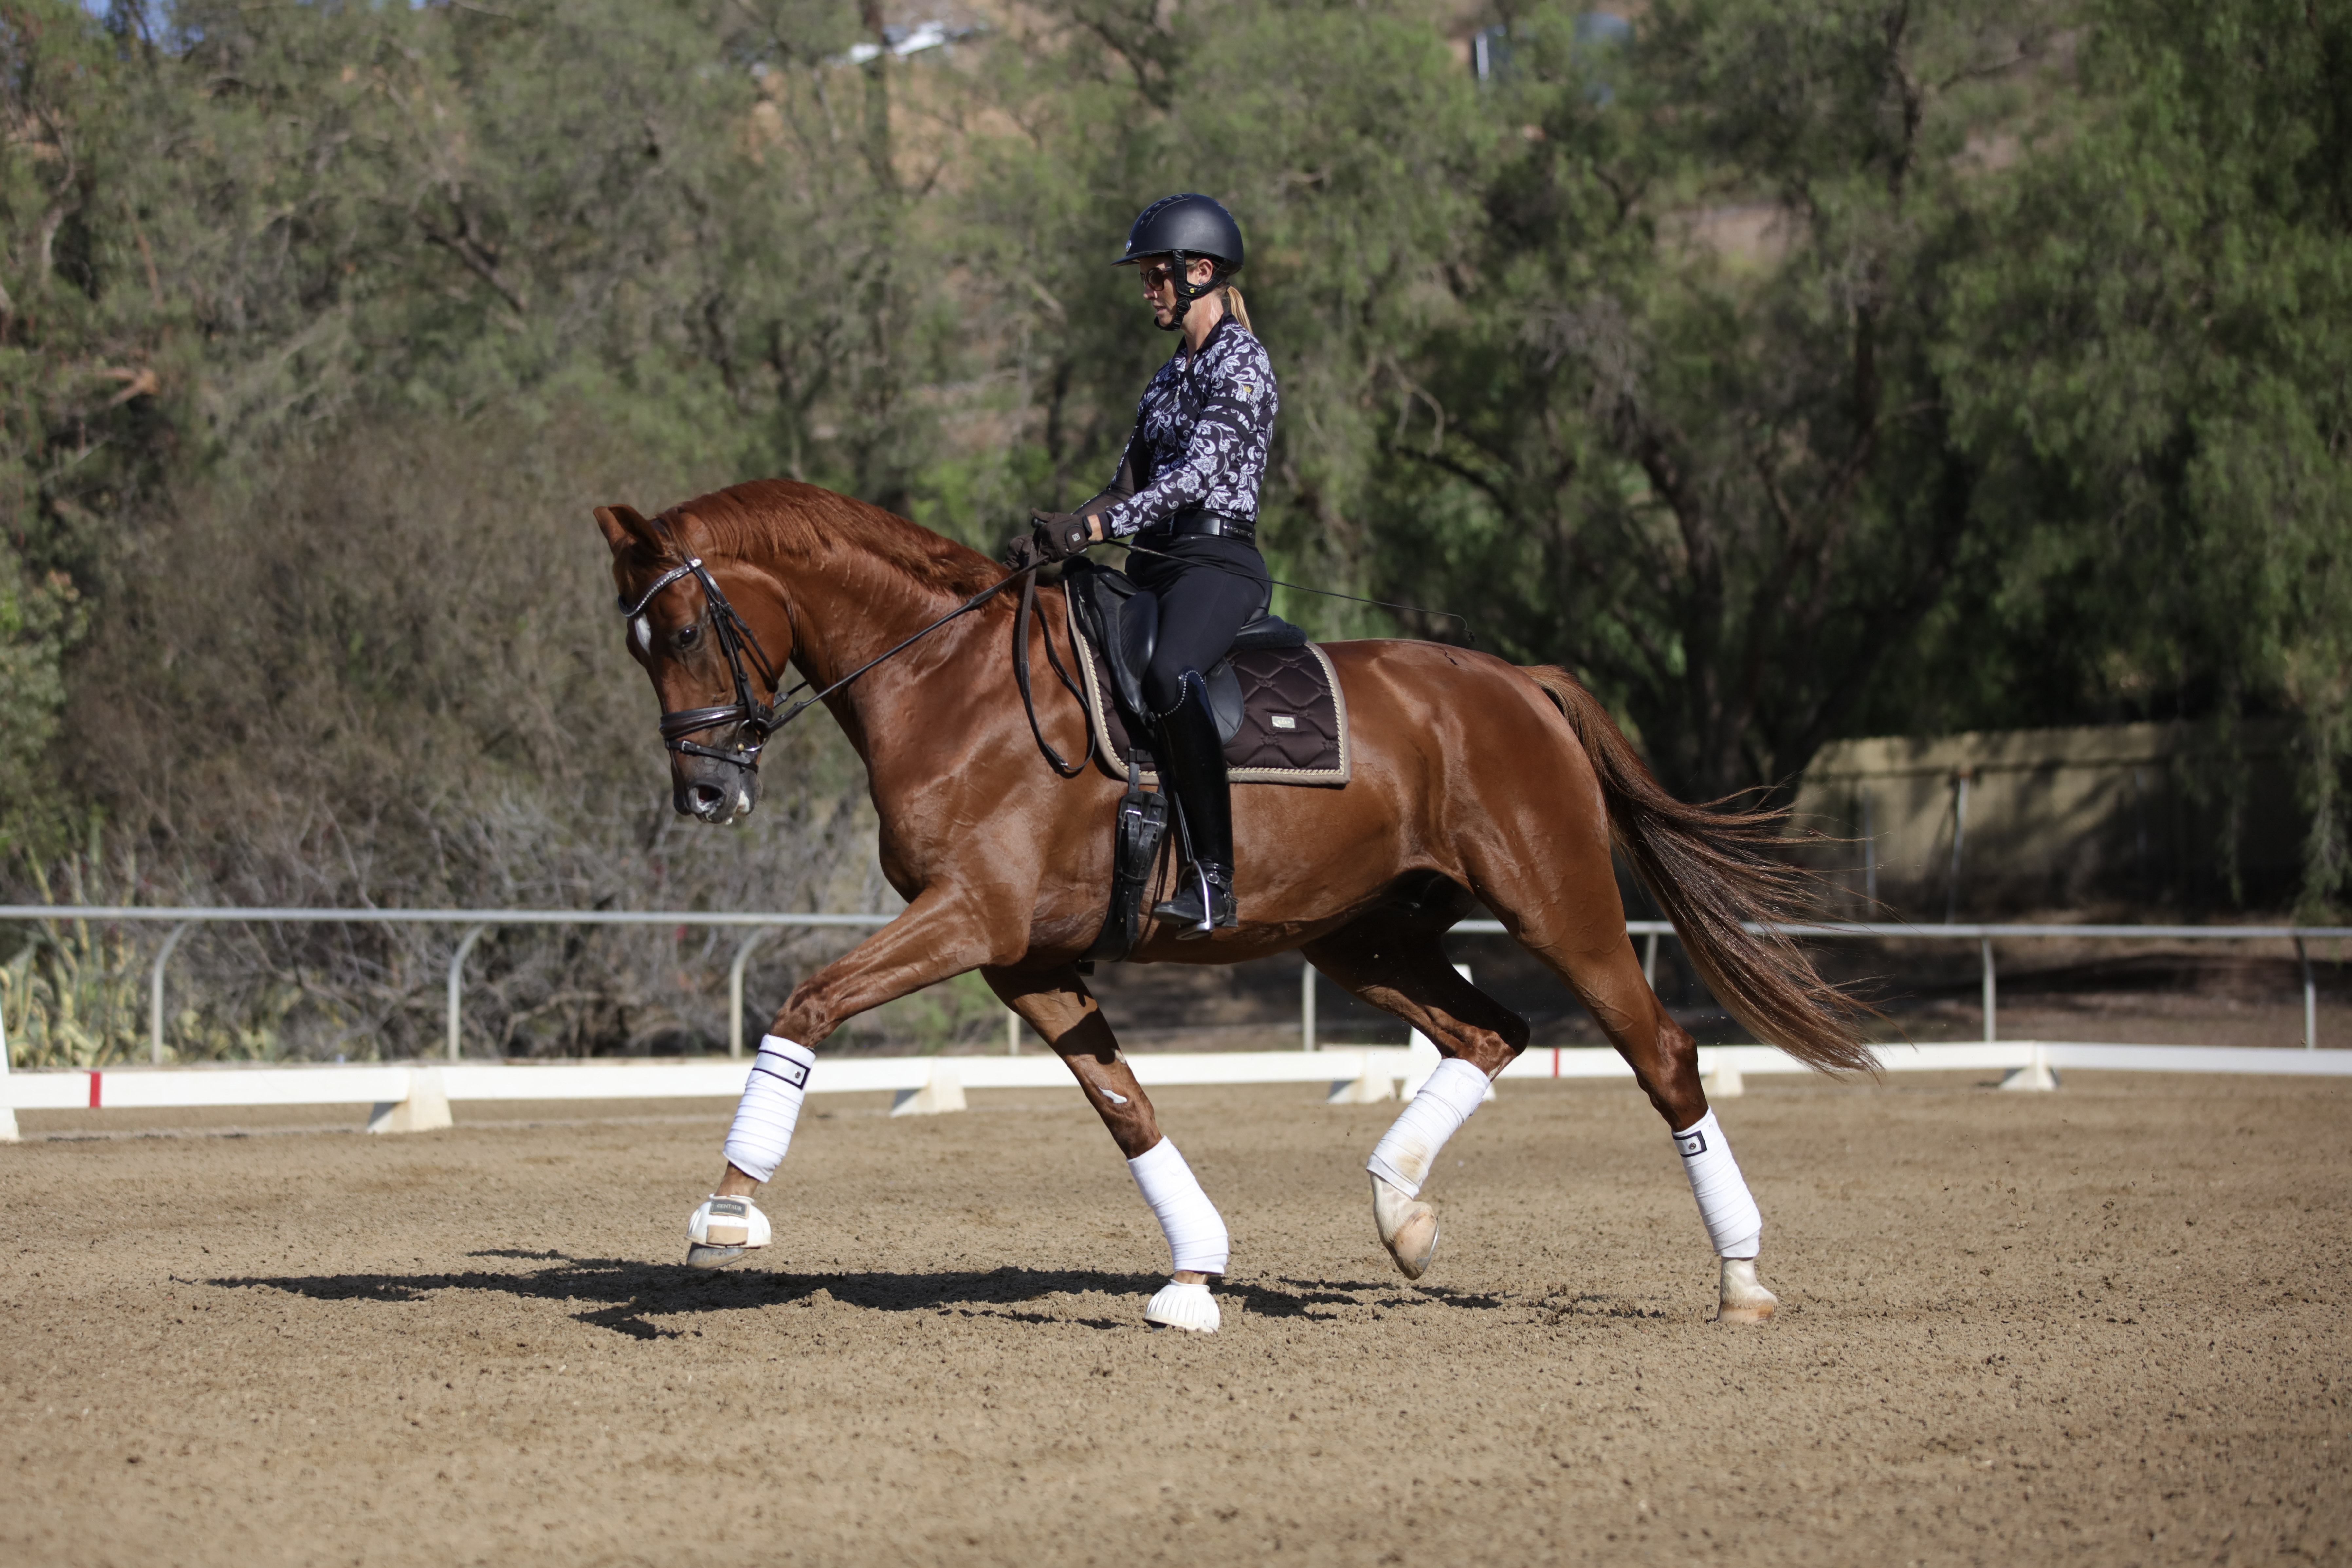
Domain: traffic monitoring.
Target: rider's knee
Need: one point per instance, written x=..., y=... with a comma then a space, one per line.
x=1163, y=687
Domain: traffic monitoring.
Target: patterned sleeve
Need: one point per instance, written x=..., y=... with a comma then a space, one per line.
x=1224, y=461
x=1124, y=479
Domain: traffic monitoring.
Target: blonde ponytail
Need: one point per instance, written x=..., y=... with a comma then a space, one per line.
x=1237, y=311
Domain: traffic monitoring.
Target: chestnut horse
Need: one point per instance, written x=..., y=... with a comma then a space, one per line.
x=1476, y=781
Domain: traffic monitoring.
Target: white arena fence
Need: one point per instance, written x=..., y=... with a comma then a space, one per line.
x=415, y=1097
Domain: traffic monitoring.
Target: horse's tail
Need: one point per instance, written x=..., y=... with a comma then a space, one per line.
x=1714, y=872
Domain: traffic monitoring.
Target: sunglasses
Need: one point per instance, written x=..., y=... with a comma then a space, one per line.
x=1156, y=275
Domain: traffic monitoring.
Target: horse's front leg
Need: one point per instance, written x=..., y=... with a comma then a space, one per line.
x=1056, y=1004
x=936, y=938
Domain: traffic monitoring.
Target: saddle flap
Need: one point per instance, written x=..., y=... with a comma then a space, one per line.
x=1139, y=637
x=1120, y=619
x=1225, y=700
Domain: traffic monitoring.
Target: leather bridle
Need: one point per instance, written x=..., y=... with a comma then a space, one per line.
x=755, y=720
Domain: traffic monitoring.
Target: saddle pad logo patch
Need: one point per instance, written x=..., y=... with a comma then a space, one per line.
x=1692, y=1142
x=1284, y=720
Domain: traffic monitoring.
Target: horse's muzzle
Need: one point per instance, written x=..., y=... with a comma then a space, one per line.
x=711, y=790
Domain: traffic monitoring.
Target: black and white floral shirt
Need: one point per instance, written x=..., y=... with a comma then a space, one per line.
x=1202, y=430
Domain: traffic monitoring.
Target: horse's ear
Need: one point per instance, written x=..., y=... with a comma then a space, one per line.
x=623, y=526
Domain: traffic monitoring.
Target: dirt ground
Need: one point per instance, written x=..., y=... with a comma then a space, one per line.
x=2104, y=1325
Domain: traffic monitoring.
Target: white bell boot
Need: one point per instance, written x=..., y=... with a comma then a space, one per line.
x=1181, y=1305
x=722, y=1230
x=1408, y=1227
x=1743, y=1299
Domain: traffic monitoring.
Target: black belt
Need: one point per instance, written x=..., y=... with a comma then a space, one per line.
x=1200, y=521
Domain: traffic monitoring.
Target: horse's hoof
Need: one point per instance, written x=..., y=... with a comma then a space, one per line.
x=1408, y=1227
x=722, y=1230
x=1743, y=1299
x=1181, y=1306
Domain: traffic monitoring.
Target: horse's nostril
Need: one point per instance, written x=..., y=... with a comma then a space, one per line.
x=708, y=799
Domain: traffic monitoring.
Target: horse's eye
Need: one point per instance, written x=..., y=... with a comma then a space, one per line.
x=688, y=637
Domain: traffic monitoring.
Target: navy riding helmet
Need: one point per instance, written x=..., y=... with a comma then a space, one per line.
x=1184, y=228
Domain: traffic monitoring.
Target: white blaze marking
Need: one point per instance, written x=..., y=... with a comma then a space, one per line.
x=643, y=630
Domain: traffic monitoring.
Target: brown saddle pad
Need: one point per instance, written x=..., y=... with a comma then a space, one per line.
x=1294, y=717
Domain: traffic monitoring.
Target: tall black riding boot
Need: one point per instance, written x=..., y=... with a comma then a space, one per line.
x=1192, y=768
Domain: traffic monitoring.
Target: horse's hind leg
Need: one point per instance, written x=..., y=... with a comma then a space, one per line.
x=1056, y=1004
x=1396, y=961
x=1569, y=916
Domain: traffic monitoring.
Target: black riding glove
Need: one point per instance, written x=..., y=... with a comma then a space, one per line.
x=1060, y=534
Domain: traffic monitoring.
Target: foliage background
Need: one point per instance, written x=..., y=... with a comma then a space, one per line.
x=1792, y=370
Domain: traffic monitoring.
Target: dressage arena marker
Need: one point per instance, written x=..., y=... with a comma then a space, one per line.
x=417, y=1097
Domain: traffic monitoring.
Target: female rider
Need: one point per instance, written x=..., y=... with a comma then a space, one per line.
x=1186, y=497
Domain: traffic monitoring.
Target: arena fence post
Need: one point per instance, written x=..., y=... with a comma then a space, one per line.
x=2310, y=999
x=735, y=988
x=1991, y=997
x=1960, y=779
x=457, y=983
x=1306, y=1004
x=7, y=1104
x=155, y=991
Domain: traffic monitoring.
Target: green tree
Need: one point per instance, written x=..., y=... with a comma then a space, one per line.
x=1718, y=478
x=2147, y=355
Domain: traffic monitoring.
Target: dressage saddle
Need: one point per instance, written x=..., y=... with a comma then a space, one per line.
x=1122, y=620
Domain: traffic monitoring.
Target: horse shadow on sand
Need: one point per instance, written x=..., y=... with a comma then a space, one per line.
x=626, y=1295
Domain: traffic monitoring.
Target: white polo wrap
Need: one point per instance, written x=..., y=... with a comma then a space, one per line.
x=1196, y=1232
x=770, y=1107
x=1406, y=1155
x=1734, y=1224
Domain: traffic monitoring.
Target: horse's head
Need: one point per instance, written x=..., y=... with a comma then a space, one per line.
x=716, y=661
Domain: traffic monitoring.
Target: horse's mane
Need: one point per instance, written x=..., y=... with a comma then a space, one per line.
x=770, y=518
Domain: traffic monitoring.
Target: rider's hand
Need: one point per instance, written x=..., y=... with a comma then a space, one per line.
x=1021, y=552
x=1060, y=534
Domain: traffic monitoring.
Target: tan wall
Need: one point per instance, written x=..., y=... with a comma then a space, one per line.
x=2107, y=818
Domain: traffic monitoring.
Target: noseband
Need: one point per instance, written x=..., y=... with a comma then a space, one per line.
x=754, y=720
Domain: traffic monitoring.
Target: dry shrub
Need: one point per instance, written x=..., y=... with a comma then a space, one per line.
x=389, y=673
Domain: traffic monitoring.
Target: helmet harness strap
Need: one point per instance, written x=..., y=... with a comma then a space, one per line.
x=1181, y=275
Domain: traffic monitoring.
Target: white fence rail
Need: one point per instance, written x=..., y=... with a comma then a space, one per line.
x=414, y=1098
x=471, y=924
x=417, y=1096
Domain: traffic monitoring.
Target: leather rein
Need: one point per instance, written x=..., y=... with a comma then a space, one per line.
x=755, y=720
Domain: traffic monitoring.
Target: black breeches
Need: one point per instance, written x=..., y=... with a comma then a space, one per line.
x=1209, y=590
